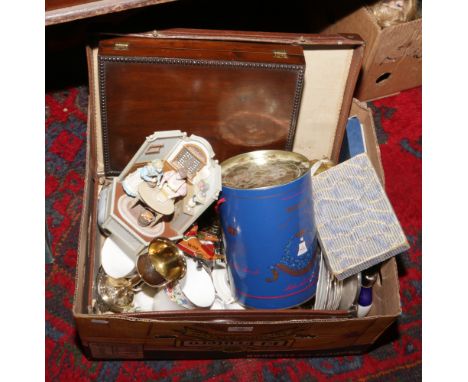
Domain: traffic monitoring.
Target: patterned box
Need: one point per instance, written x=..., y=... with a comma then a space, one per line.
x=356, y=224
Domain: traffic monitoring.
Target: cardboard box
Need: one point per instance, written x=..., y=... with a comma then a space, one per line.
x=392, y=57
x=332, y=65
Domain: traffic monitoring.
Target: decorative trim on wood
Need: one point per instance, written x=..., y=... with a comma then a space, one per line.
x=103, y=60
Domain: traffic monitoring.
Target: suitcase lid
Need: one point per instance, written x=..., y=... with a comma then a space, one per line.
x=239, y=96
x=311, y=123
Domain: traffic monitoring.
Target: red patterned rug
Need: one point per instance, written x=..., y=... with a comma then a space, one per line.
x=395, y=357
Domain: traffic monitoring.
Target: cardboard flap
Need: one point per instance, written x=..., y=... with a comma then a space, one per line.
x=254, y=109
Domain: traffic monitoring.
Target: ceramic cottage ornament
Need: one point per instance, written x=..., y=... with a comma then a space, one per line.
x=166, y=186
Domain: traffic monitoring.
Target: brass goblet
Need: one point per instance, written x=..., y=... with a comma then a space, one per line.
x=161, y=264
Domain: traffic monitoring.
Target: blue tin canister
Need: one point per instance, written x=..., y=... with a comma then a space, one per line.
x=268, y=228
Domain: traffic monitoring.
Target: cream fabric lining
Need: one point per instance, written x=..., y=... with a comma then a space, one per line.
x=97, y=114
x=325, y=82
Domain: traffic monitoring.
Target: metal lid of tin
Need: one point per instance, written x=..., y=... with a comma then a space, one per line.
x=263, y=168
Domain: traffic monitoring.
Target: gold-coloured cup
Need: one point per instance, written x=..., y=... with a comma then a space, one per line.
x=163, y=263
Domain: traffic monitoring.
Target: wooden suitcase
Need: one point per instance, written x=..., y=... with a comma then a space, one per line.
x=332, y=64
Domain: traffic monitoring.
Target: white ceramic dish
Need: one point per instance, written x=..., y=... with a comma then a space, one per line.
x=197, y=285
x=115, y=262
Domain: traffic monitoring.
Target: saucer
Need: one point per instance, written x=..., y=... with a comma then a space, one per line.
x=197, y=285
x=221, y=285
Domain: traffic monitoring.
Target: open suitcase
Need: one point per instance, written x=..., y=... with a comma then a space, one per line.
x=313, y=112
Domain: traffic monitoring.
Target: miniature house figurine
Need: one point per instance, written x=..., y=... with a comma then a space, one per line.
x=166, y=186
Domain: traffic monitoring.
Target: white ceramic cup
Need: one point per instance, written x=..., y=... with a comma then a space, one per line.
x=161, y=302
x=218, y=305
x=197, y=285
x=234, y=306
x=143, y=300
x=116, y=263
x=176, y=295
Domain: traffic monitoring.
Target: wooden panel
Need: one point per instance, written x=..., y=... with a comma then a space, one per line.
x=57, y=4
x=240, y=97
x=61, y=11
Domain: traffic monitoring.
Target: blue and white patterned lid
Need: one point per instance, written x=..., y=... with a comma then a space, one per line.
x=356, y=224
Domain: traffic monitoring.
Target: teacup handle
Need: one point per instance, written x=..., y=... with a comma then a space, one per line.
x=136, y=283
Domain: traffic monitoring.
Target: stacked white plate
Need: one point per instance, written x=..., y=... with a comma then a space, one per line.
x=333, y=294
